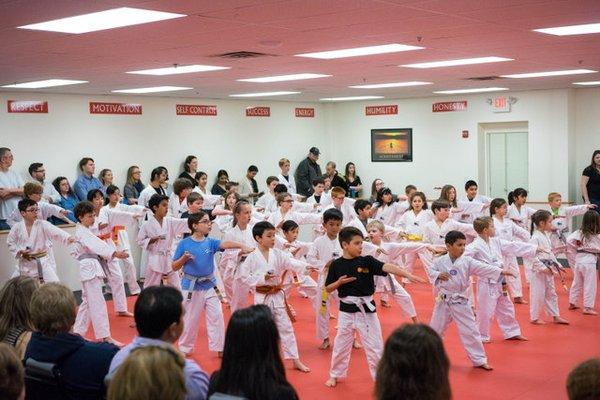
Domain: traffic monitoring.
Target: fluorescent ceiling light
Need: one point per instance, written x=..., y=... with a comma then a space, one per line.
x=550, y=73
x=98, y=21
x=44, y=84
x=180, y=69
x=282, y=78
x=350, y=98
x=390, y=85
x=453, y=63
x=263, y=94
x=590, y=83
x=360, y=51
x=571, y=30
x=478, y=90
x=154, y=89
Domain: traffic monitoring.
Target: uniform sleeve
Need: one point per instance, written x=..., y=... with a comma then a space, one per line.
x=143, y=239
x=520, y=233
x=308, y=218
x=293, y=264
x=574, y=211
x=179, y=226
x=517, y=249
x=483, y=270
x=12, y=241
x=467, y=229
x=249, y=274
x=397, y=249
x=55, y=233
x=116, y=217
x=375, y=266
x=313, y=257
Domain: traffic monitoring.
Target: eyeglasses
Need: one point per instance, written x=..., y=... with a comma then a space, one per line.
x=32, y=210
x=40, y=171
x=288, y=201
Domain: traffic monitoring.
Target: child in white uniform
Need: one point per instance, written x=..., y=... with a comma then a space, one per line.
x=352, y=276
x=473, y=205
x=195, y=254
x=285, y=202
x=28, y=243
x=177, y=200
x=156, y=235
x=413, y=223
x=264, y=271
x=342, y=203
x=451, y=278
x=584, y=248
x=542, y=291
x=387, y=210
x=518, y=211
x=561, y=217
x=93, y=255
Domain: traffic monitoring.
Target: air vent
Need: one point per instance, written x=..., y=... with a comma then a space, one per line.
x=242, y=54
x=484, y=78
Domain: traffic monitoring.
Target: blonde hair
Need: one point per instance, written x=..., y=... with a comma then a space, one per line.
x=553, y=195
x=149, y=373
x=15, y=305
x=482, y=223
x=377, y=225
x=283, y=161
x=338, y=191
x=32, y=188
x=53, y=309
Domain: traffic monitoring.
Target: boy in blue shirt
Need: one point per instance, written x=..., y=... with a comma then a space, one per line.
x=195, y=254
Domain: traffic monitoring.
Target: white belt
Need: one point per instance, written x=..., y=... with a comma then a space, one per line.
x=359, y=301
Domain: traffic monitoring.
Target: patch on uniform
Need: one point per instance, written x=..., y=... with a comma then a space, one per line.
x=453, y=272
x=362, y=270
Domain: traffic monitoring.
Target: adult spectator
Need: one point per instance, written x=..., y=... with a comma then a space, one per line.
x=158, y=177
x=133, y=185
x=219, y=186
x=67, y=198
x=190, y=167
x=307, y=171
x=590, y=181
x=414, y=366
x=106, y=178
x=376, y=186
x=15, y=316
x=248, y=188
x=38, y=174
x=336, y=179
x=149, y=373
x=83, y=365
x=583, y=382
x=252, y=367
x=86, y=181
x=11, y=187
x=353, y=181
x=12, y=376
x=158, y=315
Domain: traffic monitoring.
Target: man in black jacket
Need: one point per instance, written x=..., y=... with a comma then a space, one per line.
x=335, y=178
x=307, y=170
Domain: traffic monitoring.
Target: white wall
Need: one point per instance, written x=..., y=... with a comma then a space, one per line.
x=587, y=132
x=229, y=140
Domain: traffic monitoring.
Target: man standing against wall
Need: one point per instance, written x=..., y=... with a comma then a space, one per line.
x=38, y=174
x=307, y=170
x=11, y=187
x=334, y=177
x=86, y=181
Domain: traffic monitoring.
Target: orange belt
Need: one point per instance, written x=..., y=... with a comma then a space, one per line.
x=273, y=289
x=115, y=233
x=105, y=236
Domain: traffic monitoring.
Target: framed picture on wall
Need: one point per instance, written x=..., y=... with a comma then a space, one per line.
x=391, y=145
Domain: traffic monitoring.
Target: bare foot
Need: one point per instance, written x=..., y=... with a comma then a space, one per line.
x=224, y=301
x=357, y=344
x=124, y=314
x=520, y=300
x=331, y=382
x=560, y=321
x=331, y=316
x=485, y=366
x=220, y=354
x=112, y=341
x=590, y=311
x=132, y=325
x=385, y=304
x=486, y=341
x=538, y=322
x=299, y=366
x=517, y=337
x=573, y=306
x=324, y=345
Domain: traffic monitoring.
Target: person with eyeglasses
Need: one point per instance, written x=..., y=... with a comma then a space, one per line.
x=28, y=243
x=38, y=174
x=133, y=186
x=11, y=187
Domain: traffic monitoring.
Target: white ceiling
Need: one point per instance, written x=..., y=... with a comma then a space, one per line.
x=448, y=29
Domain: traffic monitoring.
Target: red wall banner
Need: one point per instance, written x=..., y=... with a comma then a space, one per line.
x=195, y=109
x=258, y=112
x=381, y=110
x=449, y=106
x=305, y=112
x=115, y=108
x=27, y=106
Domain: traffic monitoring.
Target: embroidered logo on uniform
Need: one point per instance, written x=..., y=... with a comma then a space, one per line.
x=335, y=254
x=416, y=223
x=362, y=270
x=453, y=272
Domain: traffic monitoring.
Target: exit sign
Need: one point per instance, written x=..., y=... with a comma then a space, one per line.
x=501, y=104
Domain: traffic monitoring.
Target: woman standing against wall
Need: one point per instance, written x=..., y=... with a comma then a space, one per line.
x=353, y=181
x=190, y=167
x=590, y=181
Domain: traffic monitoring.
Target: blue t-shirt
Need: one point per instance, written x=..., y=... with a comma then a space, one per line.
x=203, y=263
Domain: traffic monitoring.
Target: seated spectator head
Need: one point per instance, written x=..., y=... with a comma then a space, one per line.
x=53, y=309
x=222, y=177
x=12, y=376
x=87, y=166
x=201, y=178
x=190, y=165
x=134, y=175
x=159, y=175
x=62, y=186
x=330, y=168
x=33, y=191
x=376, y=186
x=15, y=310
x=314, y=154
x=149, y=373
x=252, y=365
x=583, y=382
x=158, y=313
x=37, y=172
x=414, y=366
x=252, y=171
x=350, y=170
x=6, y=158
x=106, y=177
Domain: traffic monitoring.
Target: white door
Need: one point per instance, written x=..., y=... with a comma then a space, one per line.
x=508, y=163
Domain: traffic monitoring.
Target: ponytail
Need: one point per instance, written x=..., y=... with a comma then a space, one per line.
x=538, y=217
x=495, y=204
x=512, y=196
